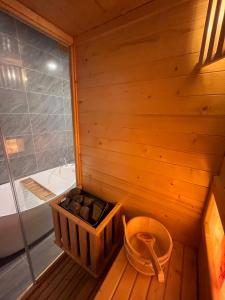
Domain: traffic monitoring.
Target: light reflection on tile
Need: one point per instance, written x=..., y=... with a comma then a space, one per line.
x=27, y=145
x=36, y=59
x=9, y=50
x=12, y=77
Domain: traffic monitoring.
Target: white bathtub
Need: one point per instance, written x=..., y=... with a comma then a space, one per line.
x=36, y=213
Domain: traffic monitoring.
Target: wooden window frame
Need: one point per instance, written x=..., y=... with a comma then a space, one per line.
x=213, y=40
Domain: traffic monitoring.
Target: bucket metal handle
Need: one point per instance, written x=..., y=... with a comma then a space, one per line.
x=124, y=224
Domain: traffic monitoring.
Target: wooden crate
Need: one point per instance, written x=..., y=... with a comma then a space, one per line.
x=90, y=247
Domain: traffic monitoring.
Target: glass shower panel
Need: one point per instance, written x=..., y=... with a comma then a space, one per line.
x=15, y=271
x=36, y=117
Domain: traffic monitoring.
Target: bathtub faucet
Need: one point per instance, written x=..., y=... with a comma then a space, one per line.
x=63, y=162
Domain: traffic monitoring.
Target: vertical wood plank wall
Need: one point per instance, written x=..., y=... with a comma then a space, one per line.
x=152, y=127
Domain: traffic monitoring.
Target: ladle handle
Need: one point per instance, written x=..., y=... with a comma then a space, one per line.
x=155, y=262
x=124, y=223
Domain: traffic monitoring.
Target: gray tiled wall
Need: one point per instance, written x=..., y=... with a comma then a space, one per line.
x=35, y=98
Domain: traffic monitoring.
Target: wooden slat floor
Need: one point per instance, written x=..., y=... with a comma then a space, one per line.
x=123, y=282
x=64, y=280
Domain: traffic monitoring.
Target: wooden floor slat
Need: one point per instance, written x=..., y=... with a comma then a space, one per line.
x=72, y=285
x=40, y=287
x=51, y=285
x=88, y=285
x=66, y=280
x=63, y=281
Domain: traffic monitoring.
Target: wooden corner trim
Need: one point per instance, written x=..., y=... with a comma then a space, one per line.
x=28, y=16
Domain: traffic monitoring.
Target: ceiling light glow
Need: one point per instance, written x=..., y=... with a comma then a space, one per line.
x=52, y=66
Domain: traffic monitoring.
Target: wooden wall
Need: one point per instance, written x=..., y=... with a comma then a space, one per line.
x=152, y=126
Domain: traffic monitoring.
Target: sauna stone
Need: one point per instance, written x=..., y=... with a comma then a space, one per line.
x=78, y=198
x=88, y=201
x=85, y=212
x=75, y=207
x=86, y=206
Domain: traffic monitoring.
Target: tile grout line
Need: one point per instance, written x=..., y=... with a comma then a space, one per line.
x=21, y=42
x=25, y=90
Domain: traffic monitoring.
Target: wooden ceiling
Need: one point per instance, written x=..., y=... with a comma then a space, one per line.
x=78, y=16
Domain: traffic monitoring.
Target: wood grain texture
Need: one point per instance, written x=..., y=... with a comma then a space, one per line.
x=189, y=283
x=37, y=189
x=63, y=280
x=92, y=248
x=124, y=282
x=76, y=131
x=151, y=124
x=28, y=16
x=76, y=17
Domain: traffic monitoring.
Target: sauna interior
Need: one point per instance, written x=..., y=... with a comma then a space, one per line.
x=123, y=100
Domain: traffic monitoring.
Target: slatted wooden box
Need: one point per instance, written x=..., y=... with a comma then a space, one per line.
x=91, y=247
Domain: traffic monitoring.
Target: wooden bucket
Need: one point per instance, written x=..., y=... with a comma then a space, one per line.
x=136, y=253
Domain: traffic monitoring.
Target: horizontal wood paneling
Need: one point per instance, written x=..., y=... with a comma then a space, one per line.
x=195, y=176
x=152, y=125
x=141, y=201
x=201, y=161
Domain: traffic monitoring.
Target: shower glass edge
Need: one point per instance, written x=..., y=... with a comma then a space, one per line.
x=16, y=203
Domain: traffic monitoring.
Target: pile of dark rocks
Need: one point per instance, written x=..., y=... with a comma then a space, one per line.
x=86, y=206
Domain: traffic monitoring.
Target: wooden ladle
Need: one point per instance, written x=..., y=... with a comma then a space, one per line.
x=149, y=241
